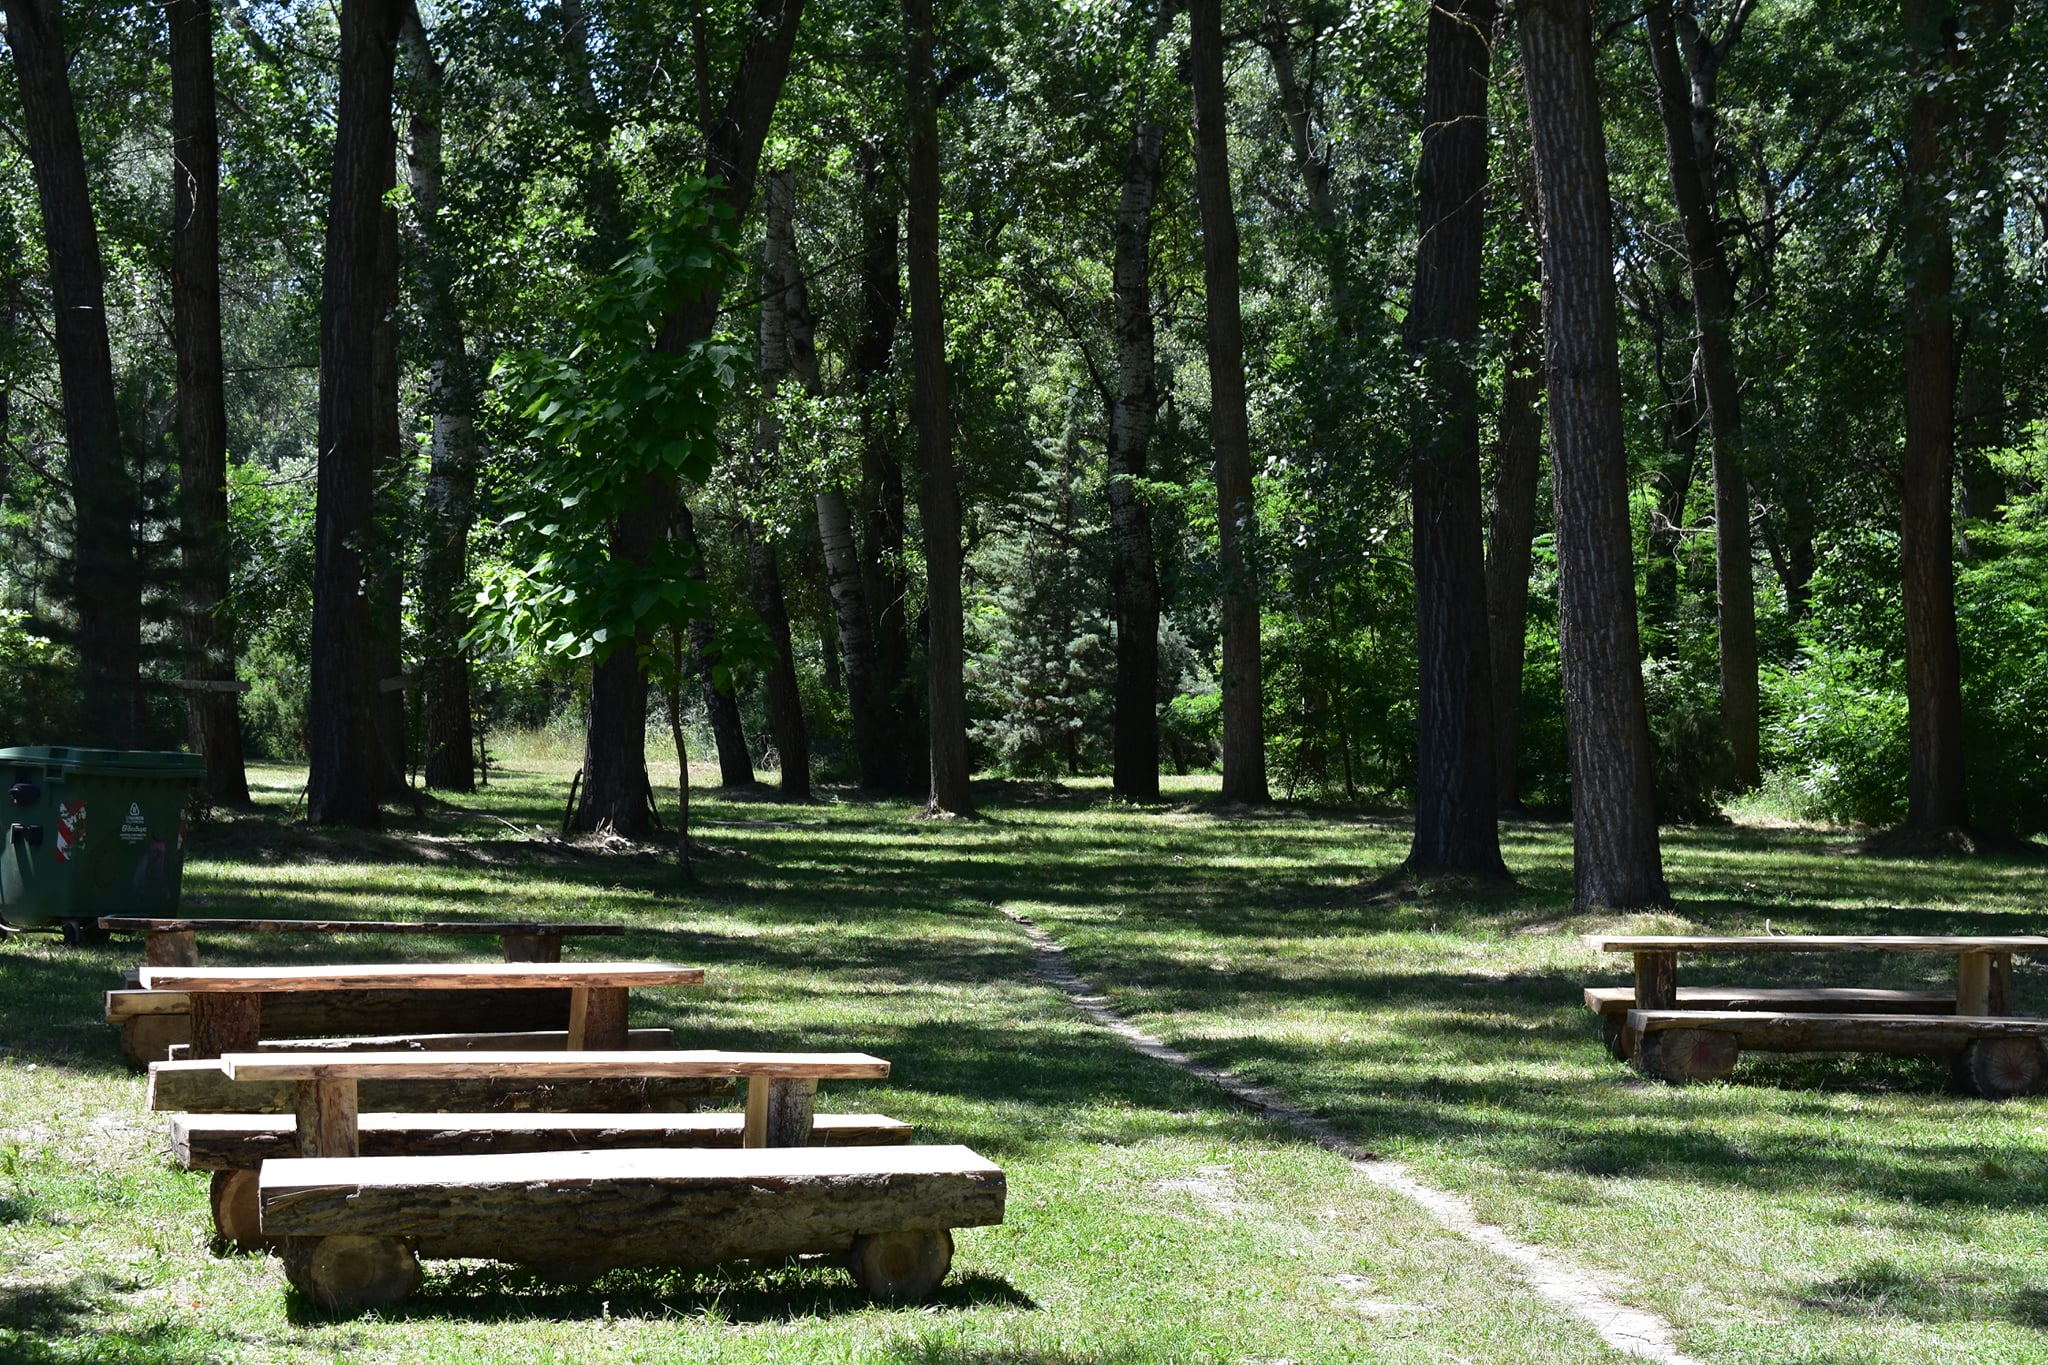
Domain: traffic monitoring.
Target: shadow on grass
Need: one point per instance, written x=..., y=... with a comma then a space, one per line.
x=805, y=1287
x=66, y=1324
x=53, y=1003
x=1883, y=1287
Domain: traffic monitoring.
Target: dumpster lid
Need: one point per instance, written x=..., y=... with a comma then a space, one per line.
x=135, y=762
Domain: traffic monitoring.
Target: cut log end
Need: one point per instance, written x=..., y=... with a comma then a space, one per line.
x=2002, y=1068
x=1684, y=1055
x=901, y=1267
x=349, y=1274
x=235, y=1217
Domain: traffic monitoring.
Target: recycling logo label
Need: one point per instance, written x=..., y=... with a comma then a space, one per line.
x=70, y=829
x=134, y=829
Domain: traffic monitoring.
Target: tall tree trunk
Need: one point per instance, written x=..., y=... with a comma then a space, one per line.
x=386, y=581
x=856, y=647
x=1455, y=799
x=721, y=703
x=1617, y=862
x=341, y=715
x=1135, y=577
x=1511, y=532
x=1679, y=95
x=780, y=279
x=450, y=739
x=1517, y=472
x=931, y=410
x=1934, y=699
x=105, y=588
x=901, y=741
x=1244, y=721
x=615, y=749
x=213, y=718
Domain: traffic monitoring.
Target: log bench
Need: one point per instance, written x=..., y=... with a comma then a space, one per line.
x=1999, y=1056
x=228, y=1006
x=1613, y=1003
x=234, y=1146
x=326, y=1097
x=355, y=1228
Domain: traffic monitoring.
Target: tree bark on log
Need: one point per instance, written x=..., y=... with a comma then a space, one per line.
x=1244, y=720
x=1685, y=100
x=450, y=738
x=213, y=719
x=105, y=586
x=342, y=786
x=1617, y=860
x=1135, y=576
x=1935, y=792
x=931, y=411
x=1455, y=799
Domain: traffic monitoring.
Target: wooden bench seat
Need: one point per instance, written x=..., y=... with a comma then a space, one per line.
x=242, y=1142
x=534, y=1040
x=1612, y=1004
x=1999, y=1055
x=355, y=1227
x=234, y=1146
x=201, y=1087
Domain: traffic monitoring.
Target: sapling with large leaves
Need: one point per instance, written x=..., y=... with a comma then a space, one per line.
x=611, y=415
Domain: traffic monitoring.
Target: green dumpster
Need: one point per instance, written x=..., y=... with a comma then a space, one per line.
x=93, y=832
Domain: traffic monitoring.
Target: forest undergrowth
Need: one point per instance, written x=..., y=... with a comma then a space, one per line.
x=1811, y=1210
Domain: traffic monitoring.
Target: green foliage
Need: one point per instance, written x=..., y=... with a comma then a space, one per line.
x=1691, y=765
x=38, y=702
x=614, y=420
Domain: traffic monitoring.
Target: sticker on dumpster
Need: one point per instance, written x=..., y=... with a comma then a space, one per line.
x=70, y=829
x=134, y=829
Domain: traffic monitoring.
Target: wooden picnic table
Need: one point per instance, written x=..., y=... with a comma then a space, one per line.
x=226, y=1002
x=1983, y=962
x=175, y=942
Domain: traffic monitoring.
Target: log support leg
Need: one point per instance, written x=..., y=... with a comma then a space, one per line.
x=235, y=1219
x=170, y=948
x=597, y=1018
x=1973, y=984
x=2002, y=1068
x=1683, y=1055
x=327, y=1117
x=224, y=1022
x=531, y=947
x=901, y=1267
x=1999, y=995
x=779, y=1111
x=349, y=1274
x=1656, y=989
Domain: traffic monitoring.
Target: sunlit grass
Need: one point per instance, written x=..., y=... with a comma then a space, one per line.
x=1814, y=1210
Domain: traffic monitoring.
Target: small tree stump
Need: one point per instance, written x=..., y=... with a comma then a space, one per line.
x=235, y=1218
x=531, y=947
x=597, y=1018
x=2001, y=1068
x=350, y=1274
x=1682, y=1055
x=901, y=1267
x=170, y=948
x=224, y=1022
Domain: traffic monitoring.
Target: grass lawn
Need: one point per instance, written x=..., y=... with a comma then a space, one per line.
x=1814, y=1210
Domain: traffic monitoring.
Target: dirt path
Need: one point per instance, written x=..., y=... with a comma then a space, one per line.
x=1626, y=1329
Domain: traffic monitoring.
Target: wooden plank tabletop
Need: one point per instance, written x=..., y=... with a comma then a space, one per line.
x=463, y=1066
x=418, y=976
x=136, y=924
x=1815, y=943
